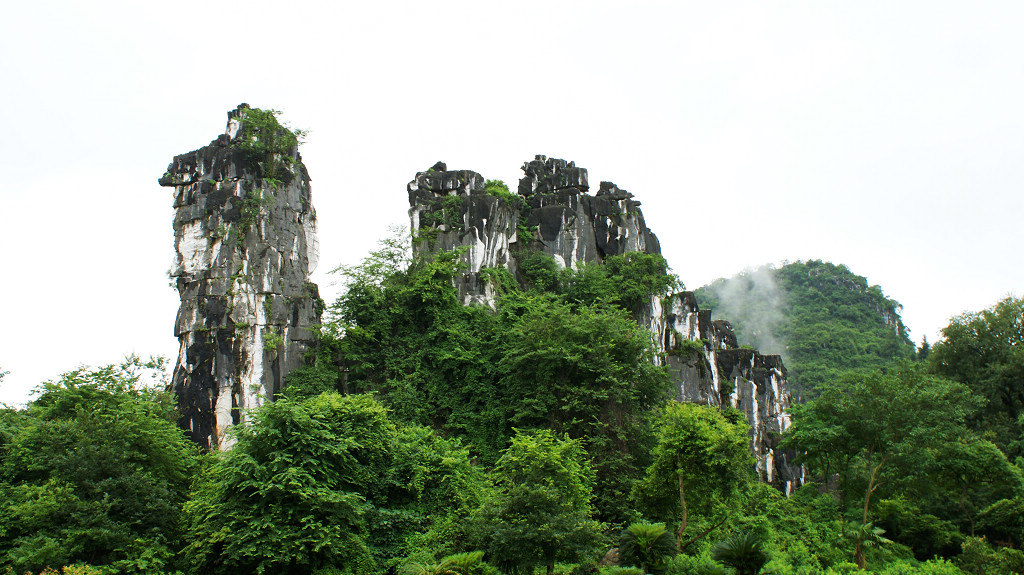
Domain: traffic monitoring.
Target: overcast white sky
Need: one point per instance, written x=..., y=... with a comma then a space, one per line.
x=888, y=136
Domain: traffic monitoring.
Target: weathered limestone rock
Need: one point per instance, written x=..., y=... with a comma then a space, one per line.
x=245, y=244
x=575, y=227
x=452, y=209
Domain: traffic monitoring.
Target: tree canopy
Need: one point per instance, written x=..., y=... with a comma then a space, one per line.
x=985, y=350
x=94, y=471
x=541, y=510
x=328, y=481
x=702, y=464
x=897, y=433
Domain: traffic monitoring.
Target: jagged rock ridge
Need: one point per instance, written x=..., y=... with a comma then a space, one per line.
x=245, y=241
x=554, y=213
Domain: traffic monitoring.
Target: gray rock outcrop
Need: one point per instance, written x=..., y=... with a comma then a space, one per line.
x=575, y=227
x=451, y=210
x=245, y=241
x=555, y=214
x=708, y=368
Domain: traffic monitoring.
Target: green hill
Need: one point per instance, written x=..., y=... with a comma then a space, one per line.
x=821, y=317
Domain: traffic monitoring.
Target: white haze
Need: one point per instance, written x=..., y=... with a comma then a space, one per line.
x=753, y=299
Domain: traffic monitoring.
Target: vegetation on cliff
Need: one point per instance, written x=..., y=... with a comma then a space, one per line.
x=560, y=352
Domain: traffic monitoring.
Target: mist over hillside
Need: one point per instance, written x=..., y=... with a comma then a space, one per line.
x=821, y=317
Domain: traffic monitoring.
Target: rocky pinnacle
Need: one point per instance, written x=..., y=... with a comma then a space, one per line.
x=554, y=213
x=245, y=242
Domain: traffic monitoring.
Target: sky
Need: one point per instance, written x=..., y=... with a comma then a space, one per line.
x=886, y=136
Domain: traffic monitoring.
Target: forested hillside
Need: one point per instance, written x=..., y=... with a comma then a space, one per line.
x=428, y=437
x=821, y=317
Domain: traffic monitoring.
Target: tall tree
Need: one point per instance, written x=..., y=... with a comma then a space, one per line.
x=94, y=471
x=874, y=428
x=329, y=481
x=587, y=372
x=985, y=350
x=541, y=512
x=702, y=462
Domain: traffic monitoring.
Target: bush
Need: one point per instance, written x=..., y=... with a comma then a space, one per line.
x=743, y=552
x=694, y=565
x=646, y=545
x=980, y=558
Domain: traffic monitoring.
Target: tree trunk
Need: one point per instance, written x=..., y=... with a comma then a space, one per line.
x=700, y=535
x=858, y=555
x=682, y=502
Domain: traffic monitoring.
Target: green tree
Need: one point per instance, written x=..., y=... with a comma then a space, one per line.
x=872, y=429
x=328, y=481
x=1003, y=522
x=627, y=281
x=969, y=474
x=924, y=350
x=286, y=498
x=541, y=512
x=912, y=521
x=865, y=536
x=702, y=463
x=581, y=368
x=985, y=350
x=94, y=471
x=267, y=143
x=588, y=372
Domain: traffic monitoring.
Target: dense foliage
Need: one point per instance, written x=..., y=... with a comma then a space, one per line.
x=561, y=352
x=899, y=441
x=540, y=511
x=94, y=471
x=267, y=144
x=985, y=350
x=821, y=317
x=329, y=481
x=427, y=437
x=702, y=464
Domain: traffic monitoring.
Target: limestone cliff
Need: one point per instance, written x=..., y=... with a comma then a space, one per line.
x=575, y=227
x=709, y=368
x=245, y=241
x=554, y=213
x=450, y=210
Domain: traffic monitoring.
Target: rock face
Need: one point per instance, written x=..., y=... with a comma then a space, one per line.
x=554, y=213
x=708, y=368
x=245, y=240
x=575, y=227
x=451, y=210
